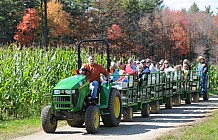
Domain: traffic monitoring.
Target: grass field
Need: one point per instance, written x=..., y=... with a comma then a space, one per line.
x=206, y=129
x=13, y=128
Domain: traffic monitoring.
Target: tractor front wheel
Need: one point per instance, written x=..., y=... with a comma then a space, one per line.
x=49, y=122
x=92, y=119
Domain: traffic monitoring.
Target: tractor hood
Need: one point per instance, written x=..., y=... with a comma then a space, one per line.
x=73, y=82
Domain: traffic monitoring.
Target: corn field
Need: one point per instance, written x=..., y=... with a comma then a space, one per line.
x=27, y=77
x=213, y=76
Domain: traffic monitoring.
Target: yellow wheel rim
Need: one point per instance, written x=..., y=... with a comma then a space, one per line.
x=131, y=114
x=117, y=107
x=96, y=119
x=148, y=109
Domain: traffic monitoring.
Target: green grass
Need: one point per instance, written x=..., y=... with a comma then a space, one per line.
x=207, y=129
x=14, y=128
x=213, y=91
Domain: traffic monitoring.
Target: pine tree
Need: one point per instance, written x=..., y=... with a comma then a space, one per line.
x=194, y=8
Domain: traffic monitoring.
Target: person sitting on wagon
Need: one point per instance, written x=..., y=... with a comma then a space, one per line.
x=185, y=71
x=151, y=65
x=122, y=72
x=126, y=68
x=122, y=77
x=161, y=65
x=114, y=72
x=202, y=69
x=167, y=67
x=185, y=61
x=94, y=76
x=144, y=69
x=129, y=68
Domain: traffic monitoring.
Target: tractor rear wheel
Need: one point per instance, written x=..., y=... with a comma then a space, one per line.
x=49, y=122
x=92, y=119
x=75, y=123
x=127, y=114
x=115, y=109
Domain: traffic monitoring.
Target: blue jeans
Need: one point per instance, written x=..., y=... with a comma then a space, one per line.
x=204, y=83
x=95, y=89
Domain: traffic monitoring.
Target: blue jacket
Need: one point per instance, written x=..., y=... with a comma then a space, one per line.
x=115, y=76
x=202, y=69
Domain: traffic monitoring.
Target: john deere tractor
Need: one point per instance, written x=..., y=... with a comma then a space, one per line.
x=70, y=101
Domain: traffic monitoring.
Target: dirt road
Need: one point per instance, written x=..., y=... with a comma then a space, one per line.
x=140, y=128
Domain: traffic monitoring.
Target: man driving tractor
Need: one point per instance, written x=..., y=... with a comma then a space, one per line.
x=93, y=75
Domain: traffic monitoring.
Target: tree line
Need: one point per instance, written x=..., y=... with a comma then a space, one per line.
x=139, y=28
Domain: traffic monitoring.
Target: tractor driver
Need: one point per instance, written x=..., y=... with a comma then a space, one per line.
x=94, y=76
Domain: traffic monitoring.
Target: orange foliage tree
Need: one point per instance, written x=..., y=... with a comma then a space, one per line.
x=58, y=20
x=176, y=24
x=114, y=32
x=27, y=26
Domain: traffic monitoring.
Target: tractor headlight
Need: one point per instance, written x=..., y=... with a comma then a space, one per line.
x=73, y=91
x=70, y=91
x=57, y=91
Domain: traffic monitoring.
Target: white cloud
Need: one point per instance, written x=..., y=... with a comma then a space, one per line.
x=179, y=4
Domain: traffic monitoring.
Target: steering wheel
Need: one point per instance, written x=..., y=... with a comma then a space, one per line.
x=87, y=72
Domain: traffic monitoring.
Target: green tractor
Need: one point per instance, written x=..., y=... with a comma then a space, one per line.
x=70, y=101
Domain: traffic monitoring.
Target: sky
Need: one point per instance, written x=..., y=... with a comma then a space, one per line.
x=179, y=4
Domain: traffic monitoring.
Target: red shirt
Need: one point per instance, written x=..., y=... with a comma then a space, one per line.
x=96, y=70
x=130, y=70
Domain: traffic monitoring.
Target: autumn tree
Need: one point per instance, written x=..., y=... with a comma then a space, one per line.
x=58, y=20
x=176, y=38
x=27, y=27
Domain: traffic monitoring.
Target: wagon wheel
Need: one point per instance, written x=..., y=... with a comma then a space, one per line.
x=169, y=103
x=127, y=114
x=206, y=96
x=155, y=107
x=177, y=100
x=195, y=97
x=145, y=110
x=188, y=98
